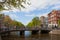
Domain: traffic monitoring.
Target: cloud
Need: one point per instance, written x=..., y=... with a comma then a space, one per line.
x=30, y=15
x=34, y=5
x=38, y=14
x=40, y=4
x=56, y=7
x=12, y=10
x=37, y=4
x=1, y=0
x=13, y=16
x=44, y=14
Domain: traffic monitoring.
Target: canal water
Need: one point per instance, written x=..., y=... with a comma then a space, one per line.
x=29, y=36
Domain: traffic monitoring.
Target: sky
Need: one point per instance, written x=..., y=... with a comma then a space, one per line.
x=36, y=8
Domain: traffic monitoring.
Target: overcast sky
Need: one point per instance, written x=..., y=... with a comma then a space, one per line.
x=37, y=8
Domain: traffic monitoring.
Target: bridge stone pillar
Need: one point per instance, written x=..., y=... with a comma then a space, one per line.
x=0, y=37
x=35, y=31
x=22, y=32
x=8, y=33
x=44, y=31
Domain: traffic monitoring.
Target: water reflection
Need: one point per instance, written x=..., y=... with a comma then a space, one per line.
x=27, y=33
x=45, y=37
x=55, y=37
x=29, y=36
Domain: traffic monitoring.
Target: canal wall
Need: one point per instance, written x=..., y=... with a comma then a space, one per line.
x=54, y=32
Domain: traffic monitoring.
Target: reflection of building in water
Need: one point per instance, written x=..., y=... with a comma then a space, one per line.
x=44, y=20
x=53, y=17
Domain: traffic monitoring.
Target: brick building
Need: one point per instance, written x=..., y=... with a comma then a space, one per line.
x=53, y=17
x=44, y=20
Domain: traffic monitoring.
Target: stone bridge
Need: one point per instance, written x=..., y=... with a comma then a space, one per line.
x=36, y=29
x=22, y=30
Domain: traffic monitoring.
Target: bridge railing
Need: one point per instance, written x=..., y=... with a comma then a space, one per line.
x=33, y=28
x=22, y=28
x=46, y=28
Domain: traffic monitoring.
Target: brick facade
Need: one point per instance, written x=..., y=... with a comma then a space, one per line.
x=53, y=17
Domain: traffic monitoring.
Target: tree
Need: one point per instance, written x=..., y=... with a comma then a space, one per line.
x=34, y=23
x=9, y=4
x=1, y=16
x=59, y=22
x=8, y=22
x=18, y=24
x=30, y=25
